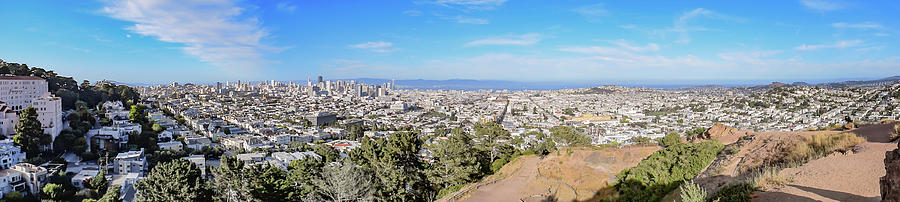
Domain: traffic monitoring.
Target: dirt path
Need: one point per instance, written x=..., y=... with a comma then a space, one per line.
x=838, y=177
x=509, y=189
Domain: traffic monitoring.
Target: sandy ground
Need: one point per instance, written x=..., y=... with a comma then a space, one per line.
x=839, y=177
x=509, y=189
x=564, y=176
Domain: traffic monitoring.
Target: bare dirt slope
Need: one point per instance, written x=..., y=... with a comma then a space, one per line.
x=839, y=177
x=563, y=176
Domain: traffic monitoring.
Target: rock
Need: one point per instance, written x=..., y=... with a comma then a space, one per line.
x=890, y=183
x=718, y=130
x=849, y=126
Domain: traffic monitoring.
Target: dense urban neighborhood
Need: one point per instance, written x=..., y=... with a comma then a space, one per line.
x=347, y=140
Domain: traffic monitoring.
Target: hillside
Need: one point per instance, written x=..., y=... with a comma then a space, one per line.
x=837, y=165
x=562, y=176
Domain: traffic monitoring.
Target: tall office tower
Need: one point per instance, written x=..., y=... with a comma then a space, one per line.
x=320, y=79
x=308, y=82
x=392, y=85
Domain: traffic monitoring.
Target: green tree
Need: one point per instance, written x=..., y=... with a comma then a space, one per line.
x=158, y=128
x=345, y=182
x=53, y=190
x=177, y=180
x=99, y=182
x=396, y=166
x=493, y=136
x=137, y=114
x=268, y=183
x=569, y=137
x=301, y=173
x=29, y=134
x=669, y=140
x=327, y=152
x=231, y=181
x=455, y=162
x=112, y=195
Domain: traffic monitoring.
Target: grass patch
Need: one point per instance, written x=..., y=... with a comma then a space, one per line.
x=817, y=146
x=769, y=178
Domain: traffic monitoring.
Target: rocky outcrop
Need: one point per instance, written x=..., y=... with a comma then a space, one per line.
x=890, y=183
x=718, y=130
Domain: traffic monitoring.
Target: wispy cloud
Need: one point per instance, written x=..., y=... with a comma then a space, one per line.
x=862, y=25
x=682, y=25
x=412, y=12
x=286, y=6
x=821, y=5
x=375, y=46
x=525, y=39
x=216, y=32
x=624, y=44
x=471, y=4
x=594, y=12
x=468, y=20
x=839, y=44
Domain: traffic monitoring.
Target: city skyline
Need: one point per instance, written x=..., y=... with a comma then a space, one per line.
x=136, y=41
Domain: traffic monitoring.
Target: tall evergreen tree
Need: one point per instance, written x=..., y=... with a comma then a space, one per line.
x=230, y=181
x=177, y=180
x=29, y=134
x=455, y=162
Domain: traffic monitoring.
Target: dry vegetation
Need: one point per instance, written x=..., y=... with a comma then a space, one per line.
x=754, y=162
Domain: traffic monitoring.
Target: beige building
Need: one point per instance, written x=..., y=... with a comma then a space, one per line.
x=20, y=92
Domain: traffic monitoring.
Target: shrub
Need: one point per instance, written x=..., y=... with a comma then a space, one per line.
x=691, y=192
x=740, y=192
x=497, y=165
x=665, y=170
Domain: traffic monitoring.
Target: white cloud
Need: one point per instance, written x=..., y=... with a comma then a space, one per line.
x=468, y=20
x=862, y=25
x=623, y=44
x=821, y=5
x=216, y=32
x=375, y=46
x=682, y=25
x=286, y=6
x=628, y=26
x=471, y=4
x=412, y=12
x=525, y=39
x=592, y=12
x=839, y=44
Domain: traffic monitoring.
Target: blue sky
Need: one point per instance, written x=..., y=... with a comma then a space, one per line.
x=158, y=41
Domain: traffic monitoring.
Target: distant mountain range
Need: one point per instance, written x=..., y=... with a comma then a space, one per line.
x=840, y=84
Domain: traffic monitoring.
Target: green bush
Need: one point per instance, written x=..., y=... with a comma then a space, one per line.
x=498, y=164
x=691, y=192
x=665, y=170
x=740, y=192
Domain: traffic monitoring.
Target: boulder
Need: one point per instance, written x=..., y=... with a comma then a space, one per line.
x=718, y=130
x=890, y=183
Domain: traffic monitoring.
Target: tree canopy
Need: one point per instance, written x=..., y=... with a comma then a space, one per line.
x=29, y=134
x=177, y=180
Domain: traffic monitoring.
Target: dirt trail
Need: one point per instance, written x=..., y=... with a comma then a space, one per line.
x=839, y=177
x=509, y=189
